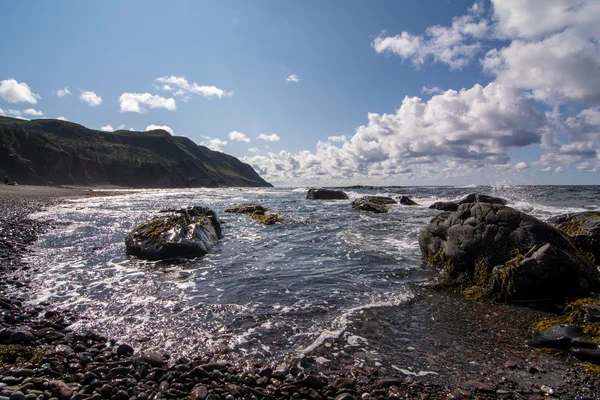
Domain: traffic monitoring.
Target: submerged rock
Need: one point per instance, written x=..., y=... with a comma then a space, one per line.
x=509, y=254
x=584, y=230
x=257, y=213
x=246, y=209
x=374, y=204
x=444, y=206
x=407, y=201
x=187, y=232
x=482, y=198
x=325, y=194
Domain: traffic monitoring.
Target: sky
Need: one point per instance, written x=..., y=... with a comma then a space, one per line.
x=329, y=93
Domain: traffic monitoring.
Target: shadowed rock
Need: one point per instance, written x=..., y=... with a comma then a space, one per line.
x=482, y=198
x=584, y=230
x=246, y=209
x=444, y=206
x=187, y=232
x=325, y=194
x=508, y=254
x=407, y=201
x=374, y=204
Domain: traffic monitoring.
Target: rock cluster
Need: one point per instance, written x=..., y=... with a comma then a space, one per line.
x=257, y=213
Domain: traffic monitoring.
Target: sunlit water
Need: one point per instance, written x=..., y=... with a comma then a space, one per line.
x=265, y=292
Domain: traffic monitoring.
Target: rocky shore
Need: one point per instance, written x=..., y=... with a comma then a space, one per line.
x=454, y=349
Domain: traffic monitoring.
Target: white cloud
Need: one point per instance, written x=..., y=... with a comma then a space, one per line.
x=238, y=137
x=90, y=98
x=2, y=112
x=254, y=150
x=455, y=46
x=135, y=102
x=107, y=128
x=170, y=83
x=15, y=92
x=453, y=133
x=214, y=144
x=63, y=92
x=163, y=127
x=293, y=78
x=341, y=138
x=62, y=118
x=431, y=90
x=269, y=138
x=32, y=112
x=521, y=165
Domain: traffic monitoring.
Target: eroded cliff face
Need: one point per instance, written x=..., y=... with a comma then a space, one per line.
x=61, y=152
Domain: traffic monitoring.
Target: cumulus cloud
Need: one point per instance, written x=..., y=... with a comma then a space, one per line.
x=33, y=112
x=63, y=92
x=238, y=137
x=163, y=127
x=140, y=102
x=62, y=118
x=431, y=90
x=107, y=128
x=455, y=45
x=181, y=87
x=521, y=165
x=293, y=78
x=452, y=133
x=215, y=144
x=90, y=98
x=269, y=138
x=15, y=92
x=254, y=150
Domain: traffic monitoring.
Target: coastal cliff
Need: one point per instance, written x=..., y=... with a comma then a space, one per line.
x=65, y=153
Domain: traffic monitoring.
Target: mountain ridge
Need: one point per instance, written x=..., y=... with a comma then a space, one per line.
x=50, y=151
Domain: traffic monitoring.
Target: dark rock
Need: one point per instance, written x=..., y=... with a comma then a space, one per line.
x=509, y=254
x=187, y=232
x=60, y=390
x=345, y=383
x=23, y=372
x=153, y=358
x=476, y=386
x=21, y=337
x=561, y=336
x=246, y=209
x=124, y=350
x=364, y=204
x=444, y=206
x=326, y=194
x=313, y=382
x=106, y=391
x=121, y=395
x=17, y=396
x=584, y=230
x=407, y=201
x=589, y=355
x=482, y=198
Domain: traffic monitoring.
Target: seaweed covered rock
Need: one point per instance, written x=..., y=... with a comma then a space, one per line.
x=187, y=232
x=407, y=201
x=509, y=255
x=584, y=230
x=482, y=198
x=246, y=209
x=444, y=206
x=374, y=204
x=326, y=194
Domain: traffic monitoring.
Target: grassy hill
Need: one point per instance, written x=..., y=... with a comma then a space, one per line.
x=52, y=151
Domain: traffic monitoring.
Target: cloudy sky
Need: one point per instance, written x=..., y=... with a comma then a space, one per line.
x=326, y=92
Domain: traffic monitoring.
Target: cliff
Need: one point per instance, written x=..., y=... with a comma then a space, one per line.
x=52, y=151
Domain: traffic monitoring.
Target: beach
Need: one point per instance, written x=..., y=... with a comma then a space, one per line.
x=454, y=348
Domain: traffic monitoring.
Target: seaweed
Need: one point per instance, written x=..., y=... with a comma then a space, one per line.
x=20, y=354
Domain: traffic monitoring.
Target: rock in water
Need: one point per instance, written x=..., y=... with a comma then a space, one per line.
x=482, y=198
x=326, y=194
x=407, y=201
x=509, y=254
x=375, y=204
x=444, y=206
x=186, y=232
x=246, y=209
x=584, y=230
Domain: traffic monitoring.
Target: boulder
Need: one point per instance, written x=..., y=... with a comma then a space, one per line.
x=407, y=201
x=482, y=198
x=257, y=213
x=562, y=336
x=373, y=207
x=584, y=230
x=444, y=206
x=186, y=232
x=508, y=254
x=325, y=194
x=246, y=209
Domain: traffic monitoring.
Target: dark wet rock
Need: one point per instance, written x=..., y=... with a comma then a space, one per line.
x=589, y=355
x=60, y=390
x=325, y=194
x=199, y=392
x=21, y=337
x=407, y=201
x=444, y=206
x=187, y=232
x=562, y=336
x=23, y=372
x=482, y=198
x=313, y=382
x=124, y=350
x=153, y=358
x=17, y=396
x=584, y=230
x=365, y=204
x=246, y=209
x=509, y=255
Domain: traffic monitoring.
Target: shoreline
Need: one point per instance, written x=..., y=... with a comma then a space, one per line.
x=474, y=349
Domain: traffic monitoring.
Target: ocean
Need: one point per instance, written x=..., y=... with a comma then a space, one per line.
x=272, y=293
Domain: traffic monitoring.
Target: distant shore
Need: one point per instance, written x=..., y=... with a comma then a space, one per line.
x=55, y=192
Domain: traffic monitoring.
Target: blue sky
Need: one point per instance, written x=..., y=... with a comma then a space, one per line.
x=326, y=92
